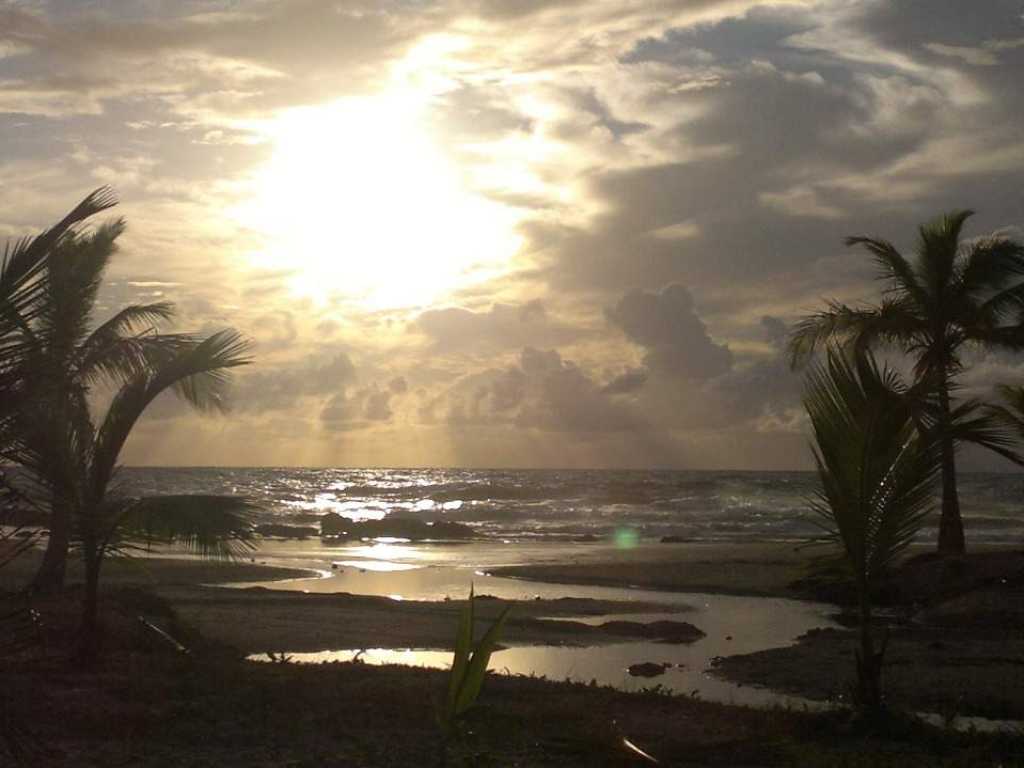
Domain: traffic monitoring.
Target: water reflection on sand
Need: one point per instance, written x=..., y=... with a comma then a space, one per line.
x=732, y=624
x=603, y=664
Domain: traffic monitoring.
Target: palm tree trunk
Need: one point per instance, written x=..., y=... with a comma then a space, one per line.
x=951, y=526
x=869, y=663
x=88, y=638
x=50, y=577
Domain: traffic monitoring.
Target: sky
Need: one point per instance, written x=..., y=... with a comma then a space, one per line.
x=508, y=233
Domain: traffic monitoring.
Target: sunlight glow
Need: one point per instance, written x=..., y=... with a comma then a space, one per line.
x=362, y=204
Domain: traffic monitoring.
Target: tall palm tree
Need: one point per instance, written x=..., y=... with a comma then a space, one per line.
x=952, y=294
x=877, y=473
x=65, y=360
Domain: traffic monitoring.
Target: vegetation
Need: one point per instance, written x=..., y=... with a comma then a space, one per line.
x=55, y=364
x=23, y=286
x=1010, y=411
x=951, y=295
x=147, y=705
x=469, y=667
x=877, y=473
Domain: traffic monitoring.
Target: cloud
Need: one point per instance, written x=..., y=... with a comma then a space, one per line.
x=682, y=174
x=362, y=408
x=503, y=326
x=627, y=382
x=674, y=337
x=542, y=392
x=284, y=385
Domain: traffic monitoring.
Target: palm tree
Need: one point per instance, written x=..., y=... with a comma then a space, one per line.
x=74, y=457
x=877, y=473
x=66, y=360
x=953, y=294
x=52, y=361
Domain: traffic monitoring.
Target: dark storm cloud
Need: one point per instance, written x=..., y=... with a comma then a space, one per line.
x=666, y=325
x=817, y=140
x=909, y=25
x=691, y=382
x=756, y=208
x=986, y=44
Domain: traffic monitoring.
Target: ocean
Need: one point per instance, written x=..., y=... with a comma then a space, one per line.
x=567, y=505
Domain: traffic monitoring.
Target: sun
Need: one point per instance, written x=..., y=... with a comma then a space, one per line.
x=361, y=203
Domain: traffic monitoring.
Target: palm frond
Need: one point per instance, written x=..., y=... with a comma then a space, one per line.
x=75, y=269
x=125, y=345
x=211, y=526
x=979, y=424
x=1009, y=338
x=24, y=259
x=1009, y=414
x=196, y=371
x=204, y=369
x=937, y=250
x=893, y=320
x=877, y=473
x=130, y=321
x=23, y=284
x=893, y=266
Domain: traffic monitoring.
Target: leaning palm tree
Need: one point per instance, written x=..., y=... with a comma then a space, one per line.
x=953, y=294
x=877, y=474
x=65, y=358
x=78, y=465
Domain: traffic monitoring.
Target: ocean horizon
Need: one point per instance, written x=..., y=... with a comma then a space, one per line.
x=564, y=504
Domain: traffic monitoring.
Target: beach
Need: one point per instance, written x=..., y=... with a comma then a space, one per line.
x=738, y=623
x=785, y=670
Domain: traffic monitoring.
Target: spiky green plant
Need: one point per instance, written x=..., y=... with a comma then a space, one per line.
x=952, y=295
x=469, y=668
x=877, y=476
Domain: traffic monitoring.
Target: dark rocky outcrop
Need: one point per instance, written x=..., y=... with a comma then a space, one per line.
x=647, y=669
x=335, y=525
x=286, y=531
x=675, y=632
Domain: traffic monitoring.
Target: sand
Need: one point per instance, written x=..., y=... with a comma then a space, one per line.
x=962, y=651
x=260, y=620
x=723, y=568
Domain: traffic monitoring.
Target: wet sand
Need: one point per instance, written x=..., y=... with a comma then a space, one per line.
x=153, y=571
x=967, y=646
x=767, y=570
x=259, y=620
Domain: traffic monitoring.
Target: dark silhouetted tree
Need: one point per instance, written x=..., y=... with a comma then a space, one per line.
x=877, y=475
x=951, y=295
